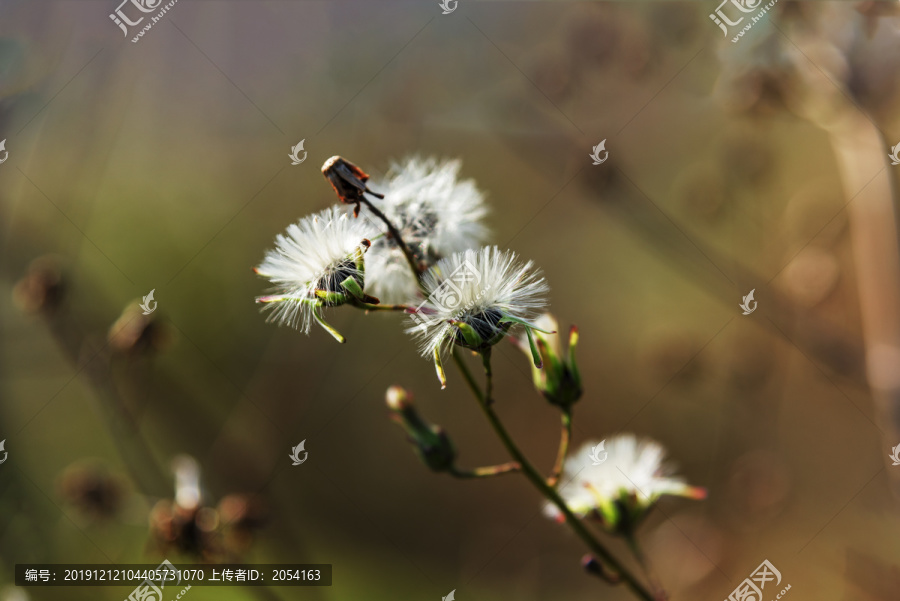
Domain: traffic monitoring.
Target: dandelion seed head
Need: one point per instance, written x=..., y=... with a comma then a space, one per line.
x=634, y=472
x=316, y=253
x=478, y=288
x=436, y=213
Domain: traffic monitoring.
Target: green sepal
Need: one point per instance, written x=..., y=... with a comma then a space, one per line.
x=573, y=365
x=353, y=288
x=472, y=338
x=332, y=299
x=511, y=319
x=535, y=353
x=439, y=368
x=328, y=328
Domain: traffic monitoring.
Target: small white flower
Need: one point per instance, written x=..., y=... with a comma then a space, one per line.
x=620, y=491
x=436, y=213
x=311, y=264
x=474, y=297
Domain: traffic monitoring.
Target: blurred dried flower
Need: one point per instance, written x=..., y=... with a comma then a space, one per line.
x=757, y=77
x=91, y=490
x=184, y=523
x=134, y=333
x=243, y=512
x=241, y=517
x=189, y=531
x=42, y=288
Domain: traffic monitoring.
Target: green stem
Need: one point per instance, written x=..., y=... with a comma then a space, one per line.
x=395, y=234
x=486, y=471
x=550, y=494
x=564, y=438
x=488, y=376
x=467, y=375
x=369, y=307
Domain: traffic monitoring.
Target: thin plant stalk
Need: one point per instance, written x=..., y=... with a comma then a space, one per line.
x=873, y=217
x=395, y=234
x=371, y=307
x=565, y=438
x=487, y=471
x=535, y=477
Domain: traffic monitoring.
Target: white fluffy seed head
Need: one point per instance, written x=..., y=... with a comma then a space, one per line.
x=436, y=213
x=477, y=287
x=629, y=467
x=317, y=252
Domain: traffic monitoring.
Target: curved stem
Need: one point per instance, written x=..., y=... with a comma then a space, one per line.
x=550, y=494
x=487, y=471
x=564, y=438
x=371, y=307
x=467, y=376
x=395, y=233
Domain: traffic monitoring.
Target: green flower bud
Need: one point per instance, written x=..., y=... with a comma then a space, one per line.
x=559, y=380
x=431, y=443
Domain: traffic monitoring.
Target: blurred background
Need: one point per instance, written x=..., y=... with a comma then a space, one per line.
x=162, y=165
